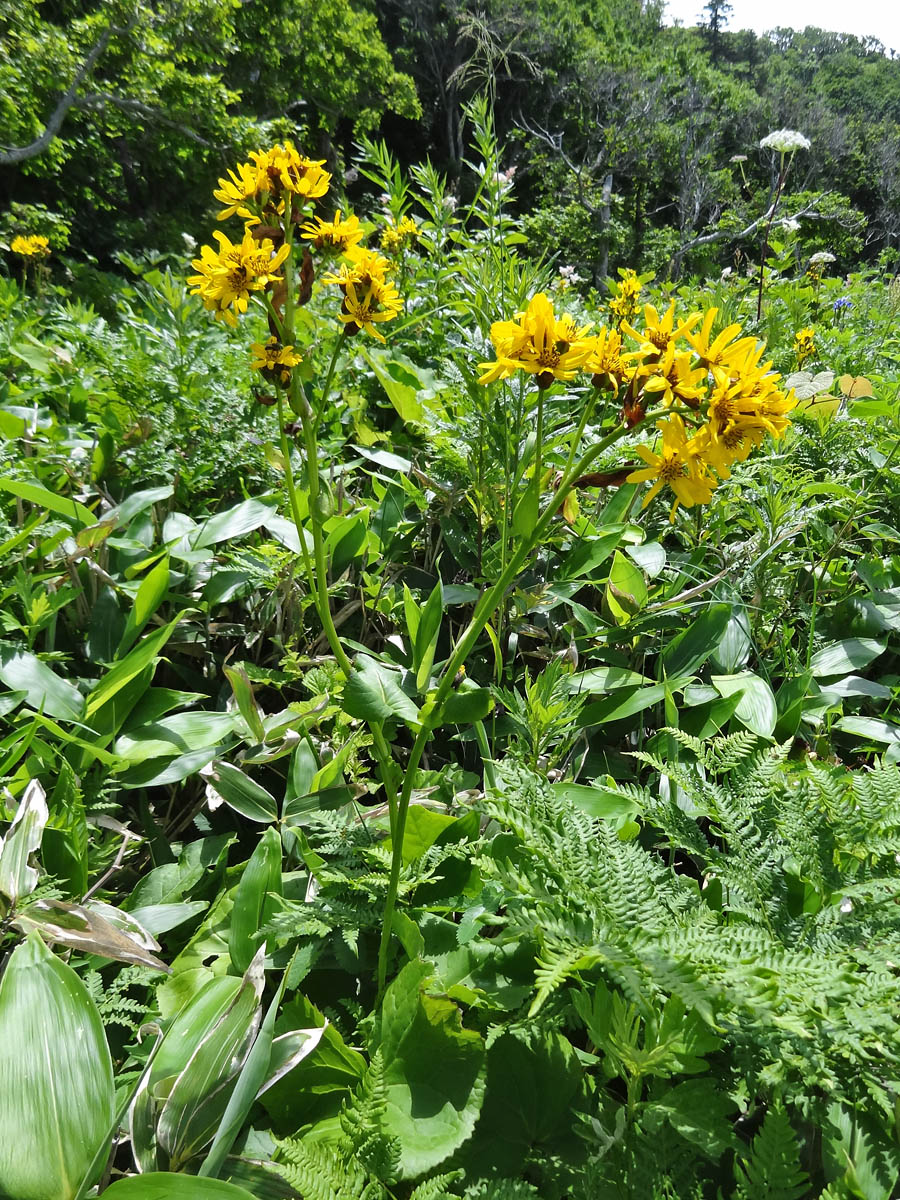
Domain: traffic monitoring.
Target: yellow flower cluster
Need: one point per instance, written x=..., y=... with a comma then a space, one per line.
x=369, y=298
x=395, y=238
x=269, y=192
x=804, y=344
x=624, y=304
x=226, y=278
x=538, y=342
x=274, y=361
x=36, y=246
x=337, y=236
x=258, y=187
x=724, y=400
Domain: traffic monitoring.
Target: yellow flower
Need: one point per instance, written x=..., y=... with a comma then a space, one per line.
x=679, y=465
x=624, y=304
x=226, y=280
x=291, y=171
x=274, y=361
x=674, y=378
x=249, y=182
x=722, y=353
x=540, y=343
x=660, y=332
x=608, y=365
x=395, y=238
x=335, y=235
x=367, y=303
x=363, y=266
x=36, y=246
x=804, y=344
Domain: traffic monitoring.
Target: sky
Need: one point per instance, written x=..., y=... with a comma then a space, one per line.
x=865, y=18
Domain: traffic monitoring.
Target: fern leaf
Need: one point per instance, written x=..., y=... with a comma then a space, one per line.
x=772, y=1170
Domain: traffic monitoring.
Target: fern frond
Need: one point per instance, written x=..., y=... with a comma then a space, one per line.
x=772, y=1170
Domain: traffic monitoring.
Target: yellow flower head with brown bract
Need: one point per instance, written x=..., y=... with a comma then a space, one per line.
x=274, y=361
x=679, y=464
x=721, y=354
x=675, y=377
x=337, y=236
x=290, y=171
x=226, y=279
x=368, y=304
x=540, y=343
x=35, y=246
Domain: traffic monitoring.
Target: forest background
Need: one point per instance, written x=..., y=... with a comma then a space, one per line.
x=631, y=143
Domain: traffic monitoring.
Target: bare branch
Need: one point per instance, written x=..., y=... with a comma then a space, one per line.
x=10, y=156
x=727, y=235
x=98, y=100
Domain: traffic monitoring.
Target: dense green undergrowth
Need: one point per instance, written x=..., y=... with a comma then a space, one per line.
x=646, y=937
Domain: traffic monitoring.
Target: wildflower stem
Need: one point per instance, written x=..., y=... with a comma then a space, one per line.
x=782, y=172
x=431, y=712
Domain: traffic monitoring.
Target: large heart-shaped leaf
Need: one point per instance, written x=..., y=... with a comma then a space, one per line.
x=434, y=1072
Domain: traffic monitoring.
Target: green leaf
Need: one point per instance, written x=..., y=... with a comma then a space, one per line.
x=199, y=1096
x=605, y=803
x=165, y=1185
x=870, y=728
x=242, y=794
x=180, y=733
x=234, y=522
x=35, y=494
x=428, y=629
x=691, y=648
x=604, y=679
x=56, y=1079
x=261, y=877
x=626, y=592
x=466, y=706
x=533, y=1080
x=17, y=878
x=246, y=701
x=756, y=708
x=434, y=1074
x=623, y=702
x=136, y=661
x=699, y=1111
x=149, y=596
x=840, y=658
x=44, y=689
x=588, y=554
x=423, y=828
x=373, y=694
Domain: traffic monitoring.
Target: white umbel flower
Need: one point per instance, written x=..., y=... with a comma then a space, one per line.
x=786, y=141
x=823, y=256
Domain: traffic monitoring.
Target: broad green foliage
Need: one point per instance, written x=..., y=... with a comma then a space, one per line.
x=56, y=1099
x=394, y=806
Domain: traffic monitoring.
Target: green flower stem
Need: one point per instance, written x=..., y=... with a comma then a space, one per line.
x=316, y=568
x=782, y=173
x=431, y=711
x=293, y=498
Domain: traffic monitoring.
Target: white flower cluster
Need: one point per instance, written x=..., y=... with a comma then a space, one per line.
x=786, y=141
x=823, y=256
